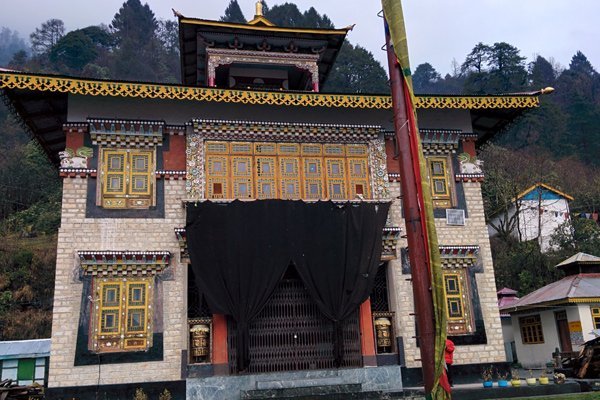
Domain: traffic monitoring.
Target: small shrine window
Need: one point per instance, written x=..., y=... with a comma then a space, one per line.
x=122, y=314
x=531, y=329
x=439, y=175
x=596, y=317
x=127, y=178
x=458, y=301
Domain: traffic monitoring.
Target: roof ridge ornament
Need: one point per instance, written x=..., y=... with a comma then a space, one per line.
x=259, y=9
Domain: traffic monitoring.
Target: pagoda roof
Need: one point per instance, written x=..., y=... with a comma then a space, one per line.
x=41, y=102
x=195, y=35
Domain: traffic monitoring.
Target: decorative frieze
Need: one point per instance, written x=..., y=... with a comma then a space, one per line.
x=77, y=172
x=126, y=133
x=123, y=263
x=170, y=175
x=90, y=87
x=458, y=256
x=391, y=234
x=281, y=131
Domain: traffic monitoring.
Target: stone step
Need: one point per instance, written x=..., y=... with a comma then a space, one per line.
x=329, y=392
x=316, y=381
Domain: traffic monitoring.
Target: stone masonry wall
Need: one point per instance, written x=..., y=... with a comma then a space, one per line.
x=78, y=233
x=401, y=297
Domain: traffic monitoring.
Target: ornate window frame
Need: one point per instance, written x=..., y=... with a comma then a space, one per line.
x=595, y=310
x=123, y=286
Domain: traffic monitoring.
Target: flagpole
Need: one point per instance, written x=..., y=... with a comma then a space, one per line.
x=414, y=217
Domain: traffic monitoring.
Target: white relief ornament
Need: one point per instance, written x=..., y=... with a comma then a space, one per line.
x=75, y=159
x=470, y=164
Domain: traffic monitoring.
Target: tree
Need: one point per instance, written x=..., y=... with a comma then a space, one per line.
x=425, y=78
x=286, y=14
x=507, y=69
x=541, y=73
x=233, y=13
x=139, y=54
x=474, y=69
x=80, y=47
x=476, y=60
x=10, y=44
x=356, y=71
x=46, y=36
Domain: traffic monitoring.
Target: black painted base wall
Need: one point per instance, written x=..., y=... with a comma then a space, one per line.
x=464, y=373
x=117, y=392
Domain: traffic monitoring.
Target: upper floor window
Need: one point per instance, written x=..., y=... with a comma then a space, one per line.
x=531, y=329
x=286, y=170
x=128, y=179
x=596, y=317
x=440, y=182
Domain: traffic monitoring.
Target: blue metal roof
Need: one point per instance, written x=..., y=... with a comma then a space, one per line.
x=10, y=350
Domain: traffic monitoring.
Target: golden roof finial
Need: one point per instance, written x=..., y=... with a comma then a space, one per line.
x=259, y=8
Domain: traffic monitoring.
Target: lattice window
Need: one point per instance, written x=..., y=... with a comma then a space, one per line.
x=458, y=301
x=531, y=329
x=596, y=317
x=313, y=178
x=441, y=190
x=266, y=187
x=357, y=177
x=122, y=315
x=289, y=177
x=127, y=178
x=379, y=294
x=266, y=170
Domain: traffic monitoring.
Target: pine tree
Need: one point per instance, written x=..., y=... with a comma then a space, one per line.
x=233, y=13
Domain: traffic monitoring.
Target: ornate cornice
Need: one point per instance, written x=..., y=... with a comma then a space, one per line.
x=123, y=263
x=90, y=87
x=273, y=131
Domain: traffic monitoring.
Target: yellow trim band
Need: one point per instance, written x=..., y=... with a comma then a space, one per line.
x=89, y=87
x=272, y=28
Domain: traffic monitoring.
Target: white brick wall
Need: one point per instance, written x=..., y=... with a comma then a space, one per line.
x=136, y=234
x=401, y=296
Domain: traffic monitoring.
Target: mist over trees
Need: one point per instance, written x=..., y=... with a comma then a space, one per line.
x=557, y=143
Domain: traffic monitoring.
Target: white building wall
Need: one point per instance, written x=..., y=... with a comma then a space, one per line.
x=78, y=233
x=537, y=355
x=401, y=299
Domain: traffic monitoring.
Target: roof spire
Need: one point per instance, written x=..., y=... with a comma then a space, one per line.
x=259, y=9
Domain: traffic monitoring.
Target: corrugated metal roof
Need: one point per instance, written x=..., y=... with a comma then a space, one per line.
x=580, y=258
x=568, y=288
x=24, y=349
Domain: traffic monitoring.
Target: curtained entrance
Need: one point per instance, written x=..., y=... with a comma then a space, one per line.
x=240, y=251
x=291, y=334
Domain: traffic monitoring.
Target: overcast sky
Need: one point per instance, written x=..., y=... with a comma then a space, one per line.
x=438, y=30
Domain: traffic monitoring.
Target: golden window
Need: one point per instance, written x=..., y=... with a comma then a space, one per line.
x=457, y=301
x=440, y=181
x=531, y=329
x=127, y=178
x=266, y=170
x=122, y=314
x=596, y=317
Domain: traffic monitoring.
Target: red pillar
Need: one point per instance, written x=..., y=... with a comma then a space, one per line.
x=367, y=338
x=414, y=215
x=220, y=358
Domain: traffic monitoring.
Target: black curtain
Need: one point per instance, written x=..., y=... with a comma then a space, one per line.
x=240, y=250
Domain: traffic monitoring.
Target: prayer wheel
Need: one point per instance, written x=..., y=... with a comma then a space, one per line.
x=384, y=336
x=200, y=344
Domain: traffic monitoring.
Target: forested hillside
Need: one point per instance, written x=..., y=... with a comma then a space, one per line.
x=558, y=143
